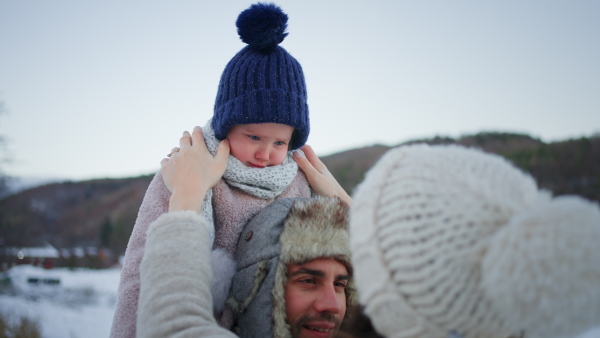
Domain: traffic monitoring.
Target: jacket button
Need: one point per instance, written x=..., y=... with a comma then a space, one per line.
x=248, y=235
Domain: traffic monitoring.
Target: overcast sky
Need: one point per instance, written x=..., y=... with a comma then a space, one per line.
x=105, y=88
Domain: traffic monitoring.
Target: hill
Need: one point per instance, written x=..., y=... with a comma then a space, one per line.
x=565, y=167
x=101, y=213
x=98, y=213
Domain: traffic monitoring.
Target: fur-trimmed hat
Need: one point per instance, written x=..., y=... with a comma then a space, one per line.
x=449, y=240
x=262, y=83
x=288, y=231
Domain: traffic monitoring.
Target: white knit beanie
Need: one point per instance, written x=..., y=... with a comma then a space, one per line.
x=446, y=239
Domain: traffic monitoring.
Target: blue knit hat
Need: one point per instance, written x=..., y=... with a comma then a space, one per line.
x=263, y=83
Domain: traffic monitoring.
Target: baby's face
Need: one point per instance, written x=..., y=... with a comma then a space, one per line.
x=260, y=145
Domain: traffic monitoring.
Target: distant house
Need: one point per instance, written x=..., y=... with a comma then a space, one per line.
x=78, y=252
x=49, y=257
x=44, y=256
x=88, y=257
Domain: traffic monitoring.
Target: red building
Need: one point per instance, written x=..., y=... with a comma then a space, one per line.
x=44, y=256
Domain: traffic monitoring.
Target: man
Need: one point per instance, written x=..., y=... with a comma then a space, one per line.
x=294, y=270
x=293, y=279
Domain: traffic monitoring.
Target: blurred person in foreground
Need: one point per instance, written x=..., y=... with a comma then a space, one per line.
x=448, y=241
x=293, y=275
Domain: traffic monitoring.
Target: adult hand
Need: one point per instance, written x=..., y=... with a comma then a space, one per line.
x=319, y=178
x=190, y=172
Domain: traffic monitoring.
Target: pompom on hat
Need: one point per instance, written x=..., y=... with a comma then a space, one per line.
x=447, y=240
x=262, y=83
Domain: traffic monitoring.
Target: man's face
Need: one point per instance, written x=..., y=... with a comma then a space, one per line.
x=315, y=297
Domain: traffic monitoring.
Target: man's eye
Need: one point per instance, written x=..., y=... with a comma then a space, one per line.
x=340, y=285
x=307, y=281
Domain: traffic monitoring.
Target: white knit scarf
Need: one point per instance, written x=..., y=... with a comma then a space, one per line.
x=265, y=183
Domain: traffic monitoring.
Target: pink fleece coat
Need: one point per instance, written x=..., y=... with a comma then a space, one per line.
x=232, y=208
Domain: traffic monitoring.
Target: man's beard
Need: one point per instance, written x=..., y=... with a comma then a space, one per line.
x=297, y=326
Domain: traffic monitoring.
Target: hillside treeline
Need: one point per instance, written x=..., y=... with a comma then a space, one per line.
x=101, y=213
x=565, y=167
x=96, y=213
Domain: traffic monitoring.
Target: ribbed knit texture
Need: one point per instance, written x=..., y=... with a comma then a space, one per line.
x=263, y=85
x=543, y=268
x=422, y=224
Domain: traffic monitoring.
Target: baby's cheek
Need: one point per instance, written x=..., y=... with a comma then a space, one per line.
x=280, y=157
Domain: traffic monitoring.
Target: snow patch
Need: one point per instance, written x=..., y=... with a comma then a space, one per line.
x=66, y=303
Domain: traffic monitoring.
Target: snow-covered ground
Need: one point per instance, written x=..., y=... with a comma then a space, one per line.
x=82, y=305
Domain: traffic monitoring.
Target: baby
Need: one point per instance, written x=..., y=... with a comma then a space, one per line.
x=261, y=109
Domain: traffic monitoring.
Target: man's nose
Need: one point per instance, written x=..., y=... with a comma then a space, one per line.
x=328, y=301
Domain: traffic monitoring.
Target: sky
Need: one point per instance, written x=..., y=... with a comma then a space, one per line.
x=95, y=89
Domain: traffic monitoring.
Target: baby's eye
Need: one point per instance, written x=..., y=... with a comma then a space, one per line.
x=279, y=143
x=253, y=138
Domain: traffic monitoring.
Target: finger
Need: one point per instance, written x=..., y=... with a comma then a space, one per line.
x=223, y=151
x=312, y=157
x=198, y=139
x=197, y=136
x=304, y=164
x=186, y=140
x=310, y=154
x=164, y=161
